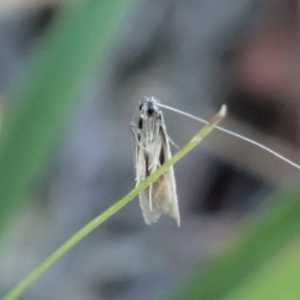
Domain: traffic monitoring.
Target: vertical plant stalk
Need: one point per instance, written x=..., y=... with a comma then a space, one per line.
x=87, y=229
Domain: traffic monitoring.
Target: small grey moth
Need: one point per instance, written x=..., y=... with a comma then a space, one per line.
x=152, y=150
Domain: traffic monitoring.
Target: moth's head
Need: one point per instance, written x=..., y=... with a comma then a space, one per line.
x=148, y=108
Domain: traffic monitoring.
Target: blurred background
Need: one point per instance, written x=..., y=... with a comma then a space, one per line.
x=194, y=55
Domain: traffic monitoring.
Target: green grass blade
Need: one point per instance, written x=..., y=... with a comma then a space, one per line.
x=67, y=57
x=274, y=229
x=87, y=229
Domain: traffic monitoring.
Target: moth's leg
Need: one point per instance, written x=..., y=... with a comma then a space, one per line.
x=134, y=129
x=163, y=128
x=136, y=133
x=172, y=142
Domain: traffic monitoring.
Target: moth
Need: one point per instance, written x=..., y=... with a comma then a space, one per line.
x=152, y=150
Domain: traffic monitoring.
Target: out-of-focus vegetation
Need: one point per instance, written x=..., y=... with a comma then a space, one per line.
x=67, y=56
x=265, y=246
x=263, y=265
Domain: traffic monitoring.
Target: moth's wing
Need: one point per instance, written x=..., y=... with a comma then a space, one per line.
x=164, y=196
x=164, y=190
x=149, y=158
x=150, y=213
x=141, y=165
x=139, y=154
x=150, y=216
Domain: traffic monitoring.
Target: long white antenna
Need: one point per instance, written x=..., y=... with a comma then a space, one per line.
x=233, y=134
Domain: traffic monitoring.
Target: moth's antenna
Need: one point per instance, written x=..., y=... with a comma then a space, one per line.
x=233, y=134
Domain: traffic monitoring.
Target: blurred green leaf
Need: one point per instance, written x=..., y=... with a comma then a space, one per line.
x=274, y=228
x=277, y=280
x=67, y=56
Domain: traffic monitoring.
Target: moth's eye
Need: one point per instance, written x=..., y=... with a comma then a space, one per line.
x=150, y=110
x=140, y=106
